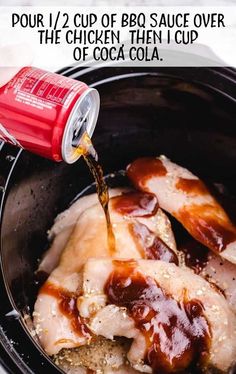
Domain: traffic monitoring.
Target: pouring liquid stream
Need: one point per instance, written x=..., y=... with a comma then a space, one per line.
x=87, y=150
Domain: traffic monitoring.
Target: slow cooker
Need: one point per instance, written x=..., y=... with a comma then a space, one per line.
x=188, y=114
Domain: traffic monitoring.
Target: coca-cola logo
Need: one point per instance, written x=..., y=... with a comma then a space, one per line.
x=7, y=137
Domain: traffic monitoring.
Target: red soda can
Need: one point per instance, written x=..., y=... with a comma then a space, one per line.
x=46, y=113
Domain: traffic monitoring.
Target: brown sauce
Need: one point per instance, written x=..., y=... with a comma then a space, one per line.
x=89, y=154
x=177, y=334
x=192, y=186
x=195, y=255
x=203, y=224
x=67, y=303
x=157, y=250
x=144, y=168
x=136, y=204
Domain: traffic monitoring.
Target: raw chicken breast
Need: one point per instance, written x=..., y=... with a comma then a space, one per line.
x=174, y=317
x=183, y=195
x=212, y=267
x=64, y=225
x=69, y=217
x=141, y=231
x=222, y=273
x=87, y=213
x=56, y=318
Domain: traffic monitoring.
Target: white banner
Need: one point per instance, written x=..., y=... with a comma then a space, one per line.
x=54, y=37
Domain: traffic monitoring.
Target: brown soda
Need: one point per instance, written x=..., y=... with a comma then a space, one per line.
x=87, y=150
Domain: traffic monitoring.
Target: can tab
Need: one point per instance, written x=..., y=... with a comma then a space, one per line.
x=80, y=128
x=78, y=134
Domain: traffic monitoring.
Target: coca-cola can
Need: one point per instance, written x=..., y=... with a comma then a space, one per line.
x=46, y=113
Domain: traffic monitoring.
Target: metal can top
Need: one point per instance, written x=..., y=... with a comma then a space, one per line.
x=83, y=116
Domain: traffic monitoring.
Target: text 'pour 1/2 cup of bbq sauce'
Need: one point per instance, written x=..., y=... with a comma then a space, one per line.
x=45, y=113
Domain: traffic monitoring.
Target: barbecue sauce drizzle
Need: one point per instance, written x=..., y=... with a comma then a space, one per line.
x=136, y=204
x=207, y=227
x=191, y=186
x=205, y=222
x=142, y=204
x=177, y=333
x=140, y=170
x=157, y=249
x=67, y=303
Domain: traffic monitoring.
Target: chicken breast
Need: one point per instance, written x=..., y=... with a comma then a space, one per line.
x=87, y=212
x=168, y=318
x=56, y=319
x=216, y=270
x=63, y=226
x=185, y=196
x=69, y=216
x=174, y=317
x=141, y=230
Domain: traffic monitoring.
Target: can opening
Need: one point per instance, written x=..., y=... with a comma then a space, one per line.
x=83, y=118
x=78, y=132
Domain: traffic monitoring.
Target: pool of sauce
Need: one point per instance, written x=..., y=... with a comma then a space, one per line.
x=157, y=250
x=136, y=204
x=144, y=168
x=177, y=333
x=67, y=304
x=203, y=224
